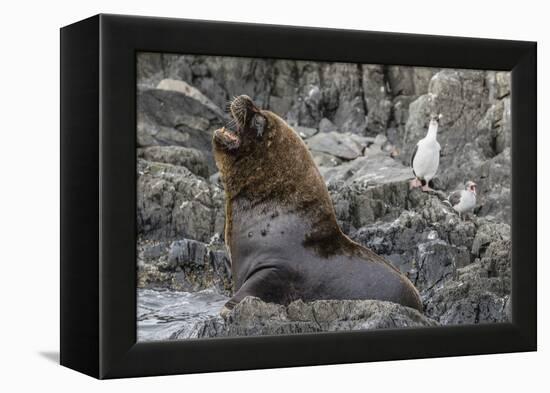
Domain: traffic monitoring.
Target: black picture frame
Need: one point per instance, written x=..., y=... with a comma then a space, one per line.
x=98, y=195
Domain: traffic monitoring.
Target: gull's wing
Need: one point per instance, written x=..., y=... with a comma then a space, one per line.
x=454, y=198
x=412, y=157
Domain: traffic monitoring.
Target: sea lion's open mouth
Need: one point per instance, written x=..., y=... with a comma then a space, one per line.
x=227, y=138
x=231, y=134
x=246, y=121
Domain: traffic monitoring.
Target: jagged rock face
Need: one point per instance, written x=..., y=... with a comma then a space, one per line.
x=184, y=265
x=172, y=118
x=303, y=92
x=253, y=317
x=360, y=123
x=187, y=157
x=456, y=265
x=173, y=203
x=478, y=293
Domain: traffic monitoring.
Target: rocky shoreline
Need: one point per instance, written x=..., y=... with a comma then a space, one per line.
x=360, y=122
x=253, y=317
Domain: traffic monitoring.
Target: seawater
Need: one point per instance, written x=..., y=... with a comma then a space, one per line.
x=163, y=313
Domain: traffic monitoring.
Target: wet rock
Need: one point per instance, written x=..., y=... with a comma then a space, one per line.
x=187, y=251
x=253, y=317
x=184, y=265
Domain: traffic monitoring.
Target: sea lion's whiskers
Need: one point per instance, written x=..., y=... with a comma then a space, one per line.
x=231, y=124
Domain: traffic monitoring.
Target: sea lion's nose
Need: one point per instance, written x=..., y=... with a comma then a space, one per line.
x=243, y=103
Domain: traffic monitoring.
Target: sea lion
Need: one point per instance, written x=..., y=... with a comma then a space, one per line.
x=280, y=227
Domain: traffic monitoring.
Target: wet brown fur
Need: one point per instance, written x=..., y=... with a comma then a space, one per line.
x=278, y=168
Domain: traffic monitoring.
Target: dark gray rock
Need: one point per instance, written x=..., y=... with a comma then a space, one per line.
x=325, y=160
x=480, y=292
x=409, y=81
x=438, y=261
x=377, y=98
x=462, y=268
x=192, y=159
x=187, y=251
x=343, y=87
x=253, y=317
x=325, y=125
x=302, y=92
x=367, y=170
x=186, y=89
x=149, y=70
x=487, y=233
x=494, y=186
x=345, y=146
x=167, y=117
x=306, y=132
x=330, y=91
x=184, y=265
x=498, y=83
x=427, y=241
x=173, y=203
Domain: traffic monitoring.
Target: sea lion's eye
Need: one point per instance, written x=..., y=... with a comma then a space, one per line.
x=258, y=123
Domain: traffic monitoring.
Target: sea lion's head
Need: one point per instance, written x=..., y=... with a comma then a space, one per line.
x=245, y=132
x=258, y=152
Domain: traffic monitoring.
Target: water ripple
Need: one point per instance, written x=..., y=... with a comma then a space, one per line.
x=161, y=313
